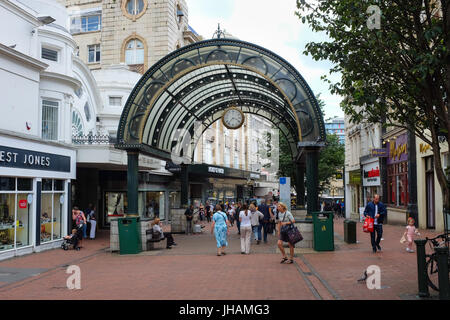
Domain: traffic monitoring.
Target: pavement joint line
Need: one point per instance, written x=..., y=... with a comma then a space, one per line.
x=308, y=282
x=323, y=281
x=48, y=272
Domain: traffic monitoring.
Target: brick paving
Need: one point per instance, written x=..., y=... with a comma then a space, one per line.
x=191, y=270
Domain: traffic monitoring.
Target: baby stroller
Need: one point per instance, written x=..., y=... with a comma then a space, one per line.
x=73, y=241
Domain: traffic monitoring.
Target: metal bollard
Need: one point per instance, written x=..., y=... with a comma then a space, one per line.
x=421, y=268
x=442, y=260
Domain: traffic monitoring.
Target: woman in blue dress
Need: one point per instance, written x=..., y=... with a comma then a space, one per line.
x=220, y=227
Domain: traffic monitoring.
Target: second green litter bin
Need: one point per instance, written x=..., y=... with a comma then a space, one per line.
x=129, y=235
x=323, y=231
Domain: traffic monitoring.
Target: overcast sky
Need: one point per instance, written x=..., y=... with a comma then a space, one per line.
x=270, y=24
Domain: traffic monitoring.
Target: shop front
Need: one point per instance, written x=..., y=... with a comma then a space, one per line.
x=397, y=178
x=429, y=199
x=34, y=200
x=371, y=179
x=355, y=194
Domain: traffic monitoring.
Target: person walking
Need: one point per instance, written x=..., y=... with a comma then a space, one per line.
x=189, y=213
x=231, y=211
x=220, y=229
x=208, y=211
x=237, y=211
x=246, y=229
x=256, y=217
x=377, y=211
x=285, y=218
x=268, y=216
x=410, y=233
x=93, y=220
x=201, y=212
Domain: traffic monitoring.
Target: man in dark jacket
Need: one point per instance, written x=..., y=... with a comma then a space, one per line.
x=268, y=216
x=377, y=211
x=189, y=213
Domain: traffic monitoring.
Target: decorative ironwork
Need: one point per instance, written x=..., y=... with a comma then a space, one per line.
x=93, y=139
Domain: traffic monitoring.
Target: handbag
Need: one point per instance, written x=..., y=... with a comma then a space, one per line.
x=368, y=225
x=293, y=234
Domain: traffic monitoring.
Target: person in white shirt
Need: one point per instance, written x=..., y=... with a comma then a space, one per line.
x=246, y=229
x=256, y=216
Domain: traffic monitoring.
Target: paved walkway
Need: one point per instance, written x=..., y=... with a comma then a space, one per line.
x=191, y=270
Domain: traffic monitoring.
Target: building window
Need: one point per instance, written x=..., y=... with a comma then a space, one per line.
x=87, y=111
x=15, y=213
x=236, y=161
x=49, y=120
x=87, y=23
x=135, y=7
x=77, y=124
x=398, y=194
x=134, y=52
x=94, y=53
x=49, y=54
x=115, y=101
x=79, y=92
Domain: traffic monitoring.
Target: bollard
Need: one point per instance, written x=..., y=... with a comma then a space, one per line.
x=421, y=268
x=442, y=261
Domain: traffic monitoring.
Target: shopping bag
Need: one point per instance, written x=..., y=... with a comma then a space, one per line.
x=403, y=239
x=368, y=225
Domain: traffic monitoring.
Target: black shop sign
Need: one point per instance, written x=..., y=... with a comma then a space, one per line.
x=25, y=159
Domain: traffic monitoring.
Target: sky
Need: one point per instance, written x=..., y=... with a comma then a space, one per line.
x=271, y=24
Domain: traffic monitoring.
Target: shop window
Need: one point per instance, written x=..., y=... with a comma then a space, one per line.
x=15, y=214
x=115, y=205
x=398, y=194
x=7, y=184
x=175, y=199
x=52, y=201
x=152, y=204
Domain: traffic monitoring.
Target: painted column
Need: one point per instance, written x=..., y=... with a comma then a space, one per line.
x=300, y=185
x=412, y=178
x=132, y=183
x=312, y=179
x=38, y=211
x=184, y=176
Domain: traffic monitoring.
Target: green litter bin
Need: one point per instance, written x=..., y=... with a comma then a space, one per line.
x=323, y=231
x=129, y=235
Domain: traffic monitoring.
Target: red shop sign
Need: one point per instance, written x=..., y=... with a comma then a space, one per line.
x=22, y=204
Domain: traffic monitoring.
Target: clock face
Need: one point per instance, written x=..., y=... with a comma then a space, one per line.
x=233, y=118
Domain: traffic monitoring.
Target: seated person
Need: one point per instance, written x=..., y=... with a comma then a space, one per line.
x=70, y=236
x=156, y=225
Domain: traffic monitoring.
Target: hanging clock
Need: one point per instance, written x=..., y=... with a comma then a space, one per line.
x=233, y=118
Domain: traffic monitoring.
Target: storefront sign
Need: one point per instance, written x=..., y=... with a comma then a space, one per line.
x=380, y=153
x=371, y=174
x=355, y=177
x=398, y=149
x=25, y=159
x=22, y=204
x=424, y=147
x=216, y=170
x=285, y=191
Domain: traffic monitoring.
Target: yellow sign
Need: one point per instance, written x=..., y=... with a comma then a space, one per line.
x=324, y=228
x=396, y=152
x=424, y=147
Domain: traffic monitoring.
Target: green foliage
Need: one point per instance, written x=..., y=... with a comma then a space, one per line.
x=331, y=162
x=399, y=74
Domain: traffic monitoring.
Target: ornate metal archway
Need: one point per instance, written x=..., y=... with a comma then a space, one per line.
x=196, y=83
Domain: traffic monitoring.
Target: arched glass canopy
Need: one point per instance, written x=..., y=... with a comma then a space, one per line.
x=191, y=87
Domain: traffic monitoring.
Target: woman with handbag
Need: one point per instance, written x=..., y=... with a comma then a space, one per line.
x=220, y=229
x=285, y=219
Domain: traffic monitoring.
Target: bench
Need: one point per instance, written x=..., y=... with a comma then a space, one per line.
x=152, y=238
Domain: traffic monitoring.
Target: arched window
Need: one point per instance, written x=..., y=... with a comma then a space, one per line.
x=77, y=124
x=87, y=112
x=134, y=52
x=135, y=7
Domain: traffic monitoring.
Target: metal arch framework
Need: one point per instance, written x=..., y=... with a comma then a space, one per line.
x=197, y=82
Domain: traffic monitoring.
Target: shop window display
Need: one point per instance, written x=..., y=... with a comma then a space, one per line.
x=51, y=208
x=398, y=194
x=14, y=213
x=152, y=204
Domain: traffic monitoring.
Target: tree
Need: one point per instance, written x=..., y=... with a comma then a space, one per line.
x=331, y=162
x=396, y=73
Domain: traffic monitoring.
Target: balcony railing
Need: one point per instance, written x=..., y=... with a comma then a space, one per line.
x=93, y=139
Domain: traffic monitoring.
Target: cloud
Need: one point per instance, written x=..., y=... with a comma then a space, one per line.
x=272, y=25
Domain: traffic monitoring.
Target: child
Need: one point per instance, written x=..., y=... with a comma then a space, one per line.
x=70, y=236
x=409, y=233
